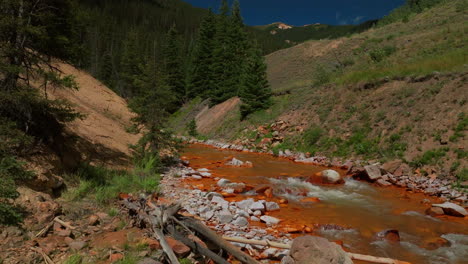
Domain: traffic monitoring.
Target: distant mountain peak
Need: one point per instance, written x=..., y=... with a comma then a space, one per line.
x=282, y=25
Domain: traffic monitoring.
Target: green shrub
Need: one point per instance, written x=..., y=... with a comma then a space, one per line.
x=463, y=175
x=192, y=128
x=430, y=157
x=312, y=135
x=379, y=54
x=105, y=185
x=322, y=76
x=74, y=259
x=460, y=128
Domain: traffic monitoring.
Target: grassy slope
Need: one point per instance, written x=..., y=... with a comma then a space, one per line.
x=361, y=96
x=273, y=38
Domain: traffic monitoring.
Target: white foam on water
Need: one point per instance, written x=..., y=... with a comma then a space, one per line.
x=338, y=195
x=456, y=253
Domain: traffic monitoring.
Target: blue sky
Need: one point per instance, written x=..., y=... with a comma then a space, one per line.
x=301, y=12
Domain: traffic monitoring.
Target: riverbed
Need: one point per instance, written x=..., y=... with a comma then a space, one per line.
x=352, y=213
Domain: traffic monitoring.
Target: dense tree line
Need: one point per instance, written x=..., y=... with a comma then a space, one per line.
x=226, y=62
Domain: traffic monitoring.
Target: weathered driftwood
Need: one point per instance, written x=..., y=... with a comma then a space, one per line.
x=64, y=224
x=158, y=218
x=373, y=259
x=266, y=243
x=197, y=247
x=165, y=246
x=46, y=258
x=218, y=240
x=353, y=256
x=45, y=229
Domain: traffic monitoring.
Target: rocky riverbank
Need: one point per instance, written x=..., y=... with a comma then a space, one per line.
x=232, y=219
x=396, y=173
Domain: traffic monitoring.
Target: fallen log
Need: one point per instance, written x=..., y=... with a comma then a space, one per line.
x=353, y=256
x=266, y=243
x=196, y=247
x=380, y=260
x=218, y=240
x=165, y=246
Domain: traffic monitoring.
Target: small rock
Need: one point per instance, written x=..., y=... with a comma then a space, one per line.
x=331, y=176
x=179, y=248
x=392, y=166
x=270, y=220
x=241, y=221
x=245, y=204
x=257, y=206
x=218, y=200
x=269, y=253
x=225, y=217
x=272, y=206
x=373, y=172
x=93, y=220
x=115, y=257
x=391, y=235
x=212, y=194
x=452, y=209
x=254, y=219
x=383, y=182
x=77, y=245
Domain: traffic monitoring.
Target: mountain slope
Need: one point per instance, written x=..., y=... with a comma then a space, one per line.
x=397, y=91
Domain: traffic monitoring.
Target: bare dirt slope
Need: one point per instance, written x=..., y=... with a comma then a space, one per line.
x=107, y=116
x=208, y=119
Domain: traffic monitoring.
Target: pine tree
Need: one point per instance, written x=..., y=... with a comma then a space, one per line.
x=173, y=71
x=239, y=46
x=153, y=104
x=130, y=65
x=222, y=87
x=201, y=77
x=256, y=92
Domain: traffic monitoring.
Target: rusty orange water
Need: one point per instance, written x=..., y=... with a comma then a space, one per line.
x=361, y=209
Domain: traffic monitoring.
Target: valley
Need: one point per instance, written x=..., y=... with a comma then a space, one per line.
x=157, y=131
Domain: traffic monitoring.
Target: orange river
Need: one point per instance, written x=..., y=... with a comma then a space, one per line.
x=360, y=208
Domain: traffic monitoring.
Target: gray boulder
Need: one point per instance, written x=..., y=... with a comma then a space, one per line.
x=316, y=250
x=331, y=176
x=452, y=209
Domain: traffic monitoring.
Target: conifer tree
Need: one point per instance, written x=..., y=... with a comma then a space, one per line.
x=130, y=62
x=222, y=67
x=256, y=92
x=239, y=45
x=153, y=104
x=201, y=77
x=173, y=71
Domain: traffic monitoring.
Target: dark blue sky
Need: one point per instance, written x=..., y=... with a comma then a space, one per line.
x=301, y=12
